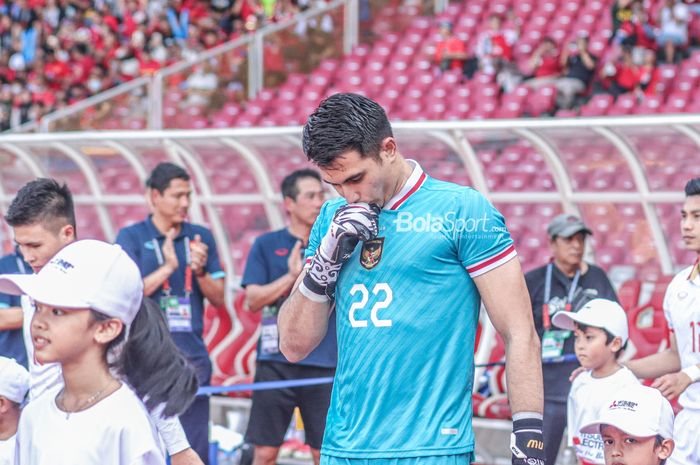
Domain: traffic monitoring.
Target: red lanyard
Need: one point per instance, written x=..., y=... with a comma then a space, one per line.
x=548, y=291
x=188, y=266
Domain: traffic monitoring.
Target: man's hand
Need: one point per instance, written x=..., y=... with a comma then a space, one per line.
x=294, y=263
x=672, y=385
x=351, y=224
x=169, y=255
x=575, y=373
x=199, y=252
x=527, y=441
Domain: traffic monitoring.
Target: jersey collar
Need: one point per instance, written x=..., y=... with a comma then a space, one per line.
x=413, y=183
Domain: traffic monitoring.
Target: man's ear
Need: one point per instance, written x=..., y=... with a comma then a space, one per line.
x=388, y=149
x=67, y=234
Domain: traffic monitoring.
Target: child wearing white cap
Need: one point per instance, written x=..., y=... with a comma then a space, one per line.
x=14, y=384
x=636, y=425
x=90, y=309
x=601, y=332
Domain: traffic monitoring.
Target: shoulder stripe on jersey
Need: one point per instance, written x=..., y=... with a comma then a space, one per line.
x=415, y=187
x=493, y=262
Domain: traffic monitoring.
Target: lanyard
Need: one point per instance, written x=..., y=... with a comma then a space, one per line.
x=548, y=291
x=20, y=265
x=188, y=267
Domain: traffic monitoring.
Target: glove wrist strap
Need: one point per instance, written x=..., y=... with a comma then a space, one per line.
x=312, y=291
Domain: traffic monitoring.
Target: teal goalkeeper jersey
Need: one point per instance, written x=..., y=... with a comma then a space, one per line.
x=407, y=312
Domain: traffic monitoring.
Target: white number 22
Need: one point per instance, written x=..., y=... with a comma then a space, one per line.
x=379, y=305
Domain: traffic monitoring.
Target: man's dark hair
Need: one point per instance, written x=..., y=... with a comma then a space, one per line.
x=163, y=173
x=290, y=184
x=44, y=201
x=692, y=187
x=345, y=122
x=609, y=337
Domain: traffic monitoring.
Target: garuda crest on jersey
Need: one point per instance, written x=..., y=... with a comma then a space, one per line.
x=371, y=252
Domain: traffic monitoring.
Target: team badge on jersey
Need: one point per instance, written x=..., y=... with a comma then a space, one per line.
x=371, y=252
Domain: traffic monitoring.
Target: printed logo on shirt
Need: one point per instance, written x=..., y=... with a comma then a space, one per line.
x=148, y=245
x=283, y=252
x=682, y=295
x=371, y=253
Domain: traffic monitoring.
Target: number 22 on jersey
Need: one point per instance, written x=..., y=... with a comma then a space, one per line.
x=358, y=314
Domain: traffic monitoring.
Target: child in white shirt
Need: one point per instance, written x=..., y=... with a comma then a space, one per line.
x=91, y=318
x=601, y=333
x=636, y=425
x=14, y=384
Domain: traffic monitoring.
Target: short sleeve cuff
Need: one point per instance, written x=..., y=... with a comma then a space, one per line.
x=488, y=264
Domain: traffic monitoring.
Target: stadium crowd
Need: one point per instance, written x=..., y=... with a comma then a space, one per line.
x=56, y=52
x=641, y=36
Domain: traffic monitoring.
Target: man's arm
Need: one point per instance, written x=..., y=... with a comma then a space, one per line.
x=259, y=295
x=213, y=289
x=11, y=318
x=655, y=365
x=511, y=315
x=302, y=324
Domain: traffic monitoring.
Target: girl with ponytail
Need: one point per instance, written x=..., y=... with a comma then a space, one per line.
x=117, y=359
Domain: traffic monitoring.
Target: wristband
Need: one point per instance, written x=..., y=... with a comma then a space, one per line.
x=693, y=372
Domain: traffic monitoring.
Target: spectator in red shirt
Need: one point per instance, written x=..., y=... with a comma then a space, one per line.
x=450, y=51
x=649, y=75
x=620, y=77
x=544, y=64
x=495, y=46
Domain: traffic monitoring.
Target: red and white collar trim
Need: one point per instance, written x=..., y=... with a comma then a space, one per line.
x=413, y=183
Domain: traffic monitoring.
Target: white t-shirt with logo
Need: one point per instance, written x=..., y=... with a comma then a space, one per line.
x=115, y=431
x=7, y=451
x=44, y=377
x=682, y=311
x=586, y=399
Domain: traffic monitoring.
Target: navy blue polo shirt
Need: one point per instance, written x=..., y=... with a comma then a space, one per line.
x=267, y=261
x=11, y=341
x=137, y=241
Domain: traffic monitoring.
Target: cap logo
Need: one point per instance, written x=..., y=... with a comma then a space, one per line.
x=623, y=404
x=62, y=264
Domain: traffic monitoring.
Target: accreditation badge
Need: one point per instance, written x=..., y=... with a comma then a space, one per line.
x=178, y=312
x=269, y=335
x=553, y=343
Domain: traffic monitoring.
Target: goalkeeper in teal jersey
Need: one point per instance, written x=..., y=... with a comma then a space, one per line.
x=405, y=260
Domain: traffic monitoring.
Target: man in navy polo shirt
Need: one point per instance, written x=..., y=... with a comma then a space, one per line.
x=11, y=317
x=180, y=268
x=274, y=263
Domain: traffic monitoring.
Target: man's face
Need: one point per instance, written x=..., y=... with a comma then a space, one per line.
x=307, y=205
x=38, y=244
x=569, y=250
x=358, y=179
x=690, y=223
x=174, y=203
x=624, y=449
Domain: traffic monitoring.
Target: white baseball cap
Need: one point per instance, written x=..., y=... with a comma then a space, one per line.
x=84, y=274
x=637, y=410
x=14, y=380
x=600, y=313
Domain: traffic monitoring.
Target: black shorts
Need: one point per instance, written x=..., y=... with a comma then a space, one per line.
x=272, y=409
